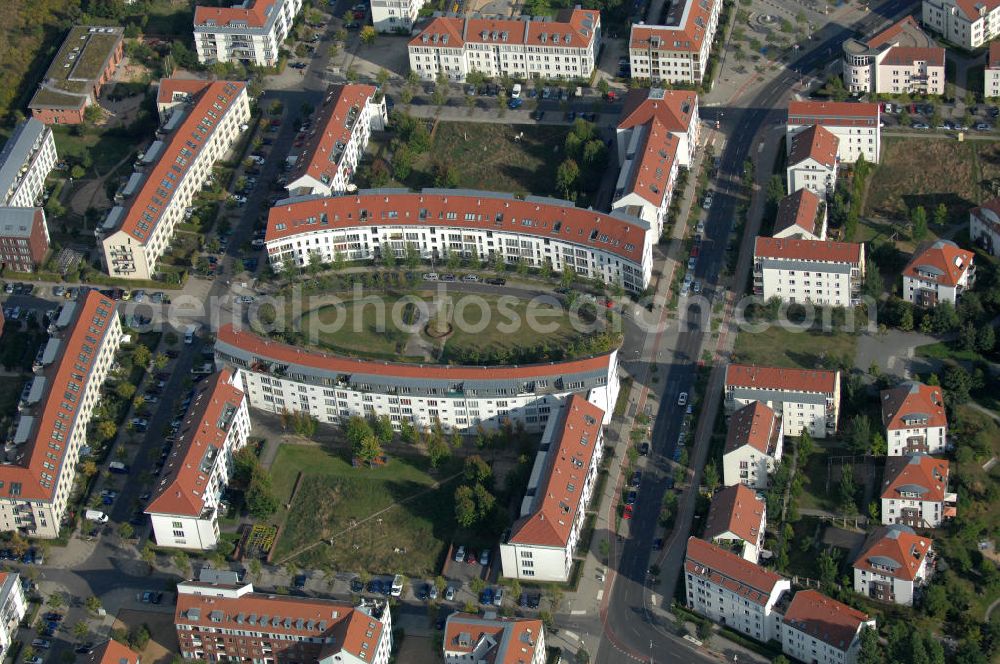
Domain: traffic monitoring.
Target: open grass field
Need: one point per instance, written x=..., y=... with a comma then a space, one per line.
x=333, y=495
x=104, y=149
x=779, y=347
x=815, y=495
x=355, y=330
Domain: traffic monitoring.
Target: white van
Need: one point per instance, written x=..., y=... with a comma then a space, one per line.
x=397, y=586
x=96, y=516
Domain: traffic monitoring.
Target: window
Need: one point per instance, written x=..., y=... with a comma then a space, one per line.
x=178, y=533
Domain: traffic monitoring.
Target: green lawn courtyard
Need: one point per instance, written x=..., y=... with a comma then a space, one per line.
x=777, y=346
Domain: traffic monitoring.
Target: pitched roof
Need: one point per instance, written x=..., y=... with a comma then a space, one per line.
x=566, y=467
x=896, y=550
x=993, y=59
x=168, y=87
x=650, y=176
x=819, y=251
x=755, y=425
x=816, y=143
x=908, y=55
x=915, y=473
x=799, y=209
x=441, y=31
x=724, y=568
x=971, y=7
x=833, y=113
x=825, y=619
x=911, y=405
x=113, y=652
x=200, y=445
x=503, y=213
x=738, y=510
x=686, y=33
x=576, y=27
x=320, y=158
x=943, y=262
x=674, y=108
x=34, y=472
x=904, y=32
x=493, y=640
x=775, y=378
x=254, y=15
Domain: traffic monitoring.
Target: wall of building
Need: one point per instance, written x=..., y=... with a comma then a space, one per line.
x=934, y=440
x=747, y=465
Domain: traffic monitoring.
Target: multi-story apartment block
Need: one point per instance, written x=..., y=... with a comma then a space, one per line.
x=914, y=419
x=657, y=136
x=856, y=126
x=86, y=61
x=984, y=226
x=24, y=238
x=137, y=232
x=937, y=273
x=991, y=74
x=754, y=444
x=822, y=630
x=614, y=248
x=805, y=399
x=186, y=501
x=521, y=48
x=13, y=606
x=112, y=652
x=542, y=541
x=343, y=125
x=901, y=59
x=801, y=216
x=967, y=23
x=251, y=33
x=395, y=15
x=737, y=520
x=471, y=638
x=36, y=482
x=26, y=160
x=218, y=618
x=812, y=161
x=678, y=51
x=915, y=491
x=279, y=377
x=732, y=591
x=799, y=271
x=893, y=563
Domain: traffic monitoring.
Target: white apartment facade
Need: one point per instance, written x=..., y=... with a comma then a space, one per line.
x=136, y=233
x=805, y=399
x=938, y=273
x=472, y=638
x=915, y=492
x=813, y=161
x=894, y=562
x=395, y=15
x=754, y=445
x=966, y=23
x=737, y=520
x=809, y=271
x=480, y=225
x=677, y=52
x=991, y=74
x=252, y=32
x=542, y=541
x=521, y=48
x=914, y=418
x=901, y=59
x=37, y=482
x=26, y=160
x=185, y=507
x=13, y=607
x=822, y=630
x=984, y=226
x=344, y=124
x=857, y=126
x=278, y=378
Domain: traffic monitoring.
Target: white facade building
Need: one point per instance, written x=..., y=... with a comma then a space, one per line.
x=801, y=216
x=893, y=563
x=856, y=126
x=915, y=492
x=940, y=272
x=805, y=399
x=521, y=48
x=901, y=59
x=737, y=520
x=821, y=630
x=812, y=161
x=679, y=50
x=139, y=230
x=542, y=541
x=470, y=638
x=615, y=248
x=395, y=15
x=26, y=160
x=984, y=226
x=13, y=607
x=799, y=271
x=967, y=23
x=754, y=444
x=991, y=74
x=252, y=33
x=186, y=501
x=337, y=141
x=914, y=419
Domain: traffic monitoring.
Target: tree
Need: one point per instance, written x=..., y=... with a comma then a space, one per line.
x=368, y=35
x=160, y=361
x=711, y=476
x=847, y=488
x=255, y=568
x=438, y=449
x=368, y=448
x=125, y=390
x=861, y=434
x=957, y=384
x=125, y=531
x=936, y=600
x=382, y=77
x=967, y=337
x=260, y=498
x=55, y=601
x=141, y=356
x=906, y=319
x=566, y=176
x=149, y=554
x=827, y=569
x=81, y=630
x=941, y=214
x=485, y=501
x=93, y=604
x=465, y=506
x=873, y=280
x=245, y=466
x=871, y=650
x=106, y=430
x=382, y=427
x=879, y=445
x=88, y=468
x=477, y=470
x=986, y=339
x=919, y=223
x=358, y=428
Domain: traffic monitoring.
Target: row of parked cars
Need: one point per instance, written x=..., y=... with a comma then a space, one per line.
x=468, y=278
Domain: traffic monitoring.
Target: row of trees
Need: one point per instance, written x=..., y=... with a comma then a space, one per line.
x=251, y=477
x=585, y=162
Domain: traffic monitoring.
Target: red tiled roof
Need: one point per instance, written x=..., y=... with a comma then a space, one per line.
x=113, y=652
x=182, y=489
x=833, y=113
x=971, y=7
x=517, y=648
x=889, y=34
x=896, y=543
x=652, y=174
x=814, y=143
x=578, y=26
x=479, y=210
x=915, y=473
x=993, y=59
x=799, y=209
x=823, y=251
x=913, y=399
x=674, y=108
x=254, y=16
x=187, y=86
x=318, y=157
x=774, y=378
x=724, y=568
x=907, y=55
x=825, y=619
x=35, y=476
x=738, y=510
x=755, y=425
x=440, y=27
x=688, y=36
x=287, y=354
x=944, y=258
x=567, y=466
x=147, y=206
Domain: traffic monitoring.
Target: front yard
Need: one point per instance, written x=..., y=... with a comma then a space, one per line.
x=780, y=347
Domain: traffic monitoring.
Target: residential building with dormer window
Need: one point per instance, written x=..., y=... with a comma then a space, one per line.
x=914, y=419
x=894, y=562
x=754, y=445
x=915, y=491
x=938, y=273
x=737, y=519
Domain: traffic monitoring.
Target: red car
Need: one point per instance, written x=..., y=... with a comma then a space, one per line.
x=470, y=557
x=628, y=512
x=359, y=14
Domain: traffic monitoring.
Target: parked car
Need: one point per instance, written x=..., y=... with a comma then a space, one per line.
x=636, y=479
x=356, y=585
x=627, y=514
x=449, y=593
x=643, y=449
x=631, y=497
x=487, y=596
x=682, y=399
x=459, y=554
x=45, y=644
x=484, y=557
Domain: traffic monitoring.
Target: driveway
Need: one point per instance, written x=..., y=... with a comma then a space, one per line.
x=893, y=352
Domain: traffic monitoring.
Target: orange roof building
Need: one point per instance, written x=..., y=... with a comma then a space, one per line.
x=940, y=272
x=36, y=479
x=856, y=126
x=813, y=161
x=914, y=419
x=754, y=445
x=902, y=59
x=113, y=652
x=967, y=23
x=806, y=399
x=809, y=271
x=893, y=562
x=737, y=518
x=489, y=640
x=984, y=221
x=186, y=501
x=818, y=628
x=801, y=216
x=915, y=491
x=252, y=33
x=541, y=542
x=677, y=51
